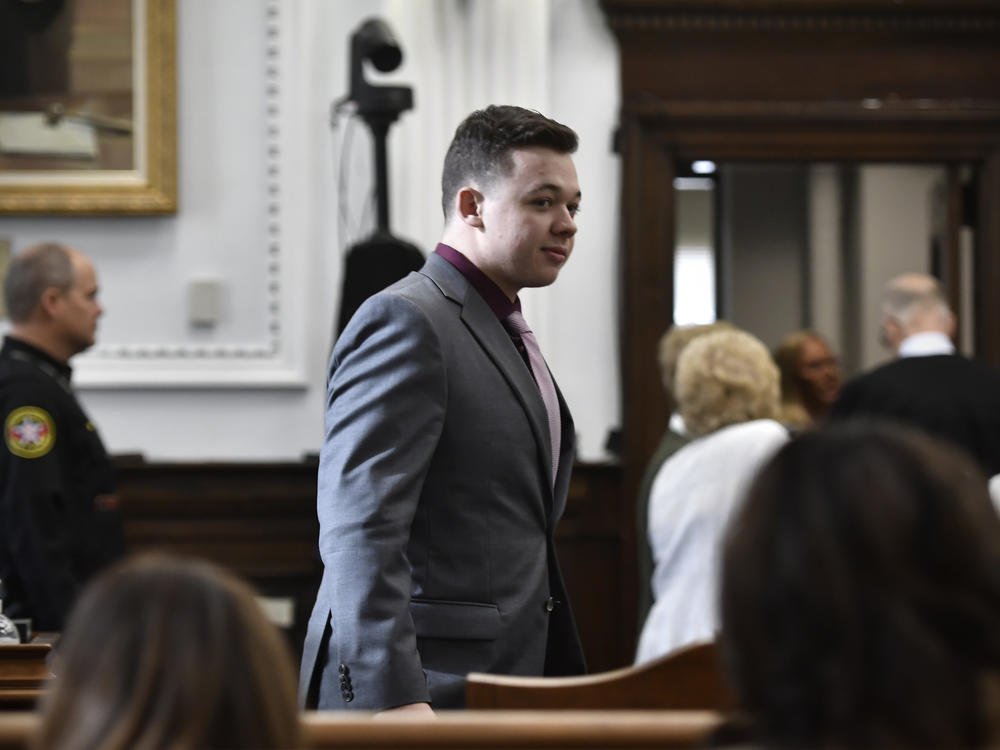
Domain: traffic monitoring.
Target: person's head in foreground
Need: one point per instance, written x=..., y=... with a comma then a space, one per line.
x=164, y=652
x=861, y=595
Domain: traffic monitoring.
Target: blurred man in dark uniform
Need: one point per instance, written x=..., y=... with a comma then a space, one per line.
x=59, y=521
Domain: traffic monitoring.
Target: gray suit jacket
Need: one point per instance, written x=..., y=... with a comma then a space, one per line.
x=436, y=507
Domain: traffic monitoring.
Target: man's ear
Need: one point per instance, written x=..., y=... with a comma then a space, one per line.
x=49, y=300
x=952, y=325
x=892, y=333
x=470, y=206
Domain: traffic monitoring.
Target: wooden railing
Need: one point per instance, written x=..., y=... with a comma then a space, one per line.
x=688, y=679
x=24, y=672
x=470, y=730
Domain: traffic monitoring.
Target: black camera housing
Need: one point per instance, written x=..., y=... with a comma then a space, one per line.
x=374, y=41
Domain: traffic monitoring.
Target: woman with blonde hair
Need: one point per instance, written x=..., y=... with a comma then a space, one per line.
x=727, y=392
x=163, y=652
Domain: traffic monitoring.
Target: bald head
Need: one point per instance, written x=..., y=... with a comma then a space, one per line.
x=914, y=303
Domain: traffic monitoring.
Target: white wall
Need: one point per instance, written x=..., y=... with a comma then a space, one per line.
x=259, y=198
x=582, y=308
x=894, y=221
x=825, y=272
x=765, y=233
x=694, y=254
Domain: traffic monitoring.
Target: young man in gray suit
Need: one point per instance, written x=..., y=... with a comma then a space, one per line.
x=448, y=447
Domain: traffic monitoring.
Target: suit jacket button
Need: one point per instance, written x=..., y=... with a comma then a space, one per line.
x=344, y=669
x=550, y=604
x=348, y=696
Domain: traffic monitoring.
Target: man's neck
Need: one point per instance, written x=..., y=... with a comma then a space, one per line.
x=462, y=242
x=483, y=268
x=36, y=338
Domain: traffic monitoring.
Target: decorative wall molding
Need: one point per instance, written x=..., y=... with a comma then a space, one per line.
x=717, y=112
x=273, y=109
x=220, y=364
x=803, y=22
x=803, y=16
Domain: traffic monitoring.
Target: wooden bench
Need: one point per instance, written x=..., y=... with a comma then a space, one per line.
x=24, y=672
x=687, y=679
x=472, y=730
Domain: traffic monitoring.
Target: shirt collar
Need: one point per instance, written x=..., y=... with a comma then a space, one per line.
x=677, y=424
x=487, y=288
x=926, y=343
x=14, y=344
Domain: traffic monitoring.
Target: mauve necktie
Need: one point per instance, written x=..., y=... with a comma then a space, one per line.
x=516, y=324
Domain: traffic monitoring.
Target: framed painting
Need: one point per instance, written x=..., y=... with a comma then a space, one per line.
x=88, y=107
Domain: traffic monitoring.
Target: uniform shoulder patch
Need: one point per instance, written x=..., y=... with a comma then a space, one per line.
x=29, y=432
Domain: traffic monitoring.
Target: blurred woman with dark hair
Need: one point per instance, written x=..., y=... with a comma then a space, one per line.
x=860, y=596
x=163, y=652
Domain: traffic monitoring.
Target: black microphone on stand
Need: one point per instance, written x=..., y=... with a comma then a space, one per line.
x=381, y=259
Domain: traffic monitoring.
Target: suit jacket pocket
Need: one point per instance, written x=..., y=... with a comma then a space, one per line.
x=434, y=618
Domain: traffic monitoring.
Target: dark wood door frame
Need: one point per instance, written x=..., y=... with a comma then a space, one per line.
x=658, y=134
x=792, y=80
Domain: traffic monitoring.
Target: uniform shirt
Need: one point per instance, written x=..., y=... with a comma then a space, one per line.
x=59, y=522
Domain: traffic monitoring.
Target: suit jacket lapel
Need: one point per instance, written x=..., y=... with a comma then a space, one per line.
x=493, y=337
x=567, y=455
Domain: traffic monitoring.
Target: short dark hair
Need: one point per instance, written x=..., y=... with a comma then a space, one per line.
x=30, y=273
x=860, y=594
x=480, y=149
x=164, y=651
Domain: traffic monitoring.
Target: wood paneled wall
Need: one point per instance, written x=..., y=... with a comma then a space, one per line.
x=259, y=520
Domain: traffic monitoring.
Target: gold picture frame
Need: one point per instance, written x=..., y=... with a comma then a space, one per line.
x=150, y=186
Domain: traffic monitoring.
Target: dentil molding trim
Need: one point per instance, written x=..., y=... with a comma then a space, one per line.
x=218, y=364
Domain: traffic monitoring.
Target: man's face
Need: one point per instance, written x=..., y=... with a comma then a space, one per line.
x=819, y=373
x=528, y=220
x=77, y=309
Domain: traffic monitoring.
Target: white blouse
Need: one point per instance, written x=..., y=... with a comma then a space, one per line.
x=692, y=498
